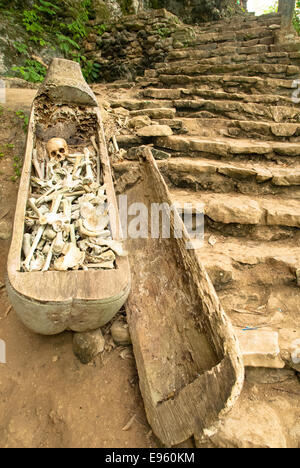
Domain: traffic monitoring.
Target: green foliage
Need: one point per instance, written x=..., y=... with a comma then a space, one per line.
x=78, y=27
x=45, y=24
x=22, y=116
x=21, y=48
x=272, y=8
x=91, y=71
x=101, y=29
x=40, y=19
x=31, y=22
x=46, y=8
x=66, y=44
x=17, y=165
x=32, y=71
x=164, y=32
x=296, y=20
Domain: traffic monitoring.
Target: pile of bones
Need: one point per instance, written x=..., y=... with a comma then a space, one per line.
x=67, y=222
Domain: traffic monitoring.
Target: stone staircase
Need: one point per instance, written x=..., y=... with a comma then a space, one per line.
x=226, y=133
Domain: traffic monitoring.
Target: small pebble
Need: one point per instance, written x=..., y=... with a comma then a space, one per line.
x=5, y=230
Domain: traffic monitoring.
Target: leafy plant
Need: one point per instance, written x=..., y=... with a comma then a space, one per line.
x=38, y=40
x=21, y=115
x=66, y=44
x=31, y=22
x=272, y=8
x=101, y=29
x=47, y=8
x=17, y=165
x=44, y=30
x=91, y=71
x=32, y=71
x=21, y=48
x=164, y=32
x=296, y=20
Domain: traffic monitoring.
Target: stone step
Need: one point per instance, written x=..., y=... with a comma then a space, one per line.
x=239, y=24
x=265, y=131
x=237, y=110
x=227, y=148
x=198, y=54
x=232, y=83
x=259, y=108
x=148, y=80
x=256, y=218
x=227, y=177
x=137, y=104
x=260, y=348
x=243, y=34
x=231, y=55
x=251, y=69
x=237, y=253
x=241, y=210
x=119, y=84
x=286, y=47
x=247, y=18
x=203, y=92
x=155, y=113
x=242, y=129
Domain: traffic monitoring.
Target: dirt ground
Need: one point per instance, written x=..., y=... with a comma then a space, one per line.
x=48, y=398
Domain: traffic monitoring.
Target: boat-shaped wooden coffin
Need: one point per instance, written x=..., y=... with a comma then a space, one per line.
x=188, y=358
x=66, y=267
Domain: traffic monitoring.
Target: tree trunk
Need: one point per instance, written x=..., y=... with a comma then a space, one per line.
x=286, y=9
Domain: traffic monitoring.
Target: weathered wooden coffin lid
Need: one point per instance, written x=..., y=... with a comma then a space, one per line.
x=163, y=308
x=64, y=82
x=50, y=302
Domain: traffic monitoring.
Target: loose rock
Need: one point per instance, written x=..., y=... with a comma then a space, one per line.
x=88, y=345
x=155, y=131
x=120, y=333
x=5, y=230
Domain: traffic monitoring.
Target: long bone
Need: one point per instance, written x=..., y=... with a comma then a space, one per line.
x=89, y=178
x=72, y=234
x=35, y=243
x=43, y=197
x=26, y=244
x=49, y=257
x=31, y=203
x=79, y=163
x=36, y=164
x=93, y=140
x=39, y=182
x=52, y=216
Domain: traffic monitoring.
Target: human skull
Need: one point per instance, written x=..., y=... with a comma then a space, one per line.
x=57, y=149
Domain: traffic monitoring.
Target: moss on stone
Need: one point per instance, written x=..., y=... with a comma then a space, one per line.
x=126, y=6
x=102, y=12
